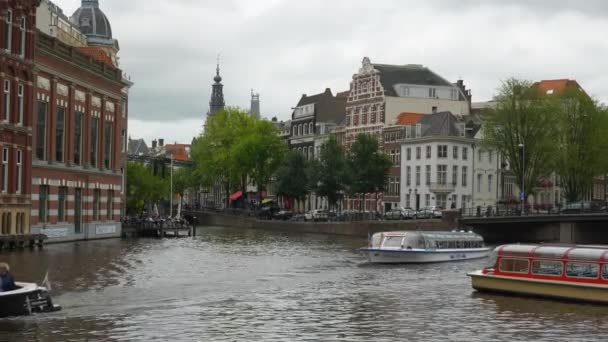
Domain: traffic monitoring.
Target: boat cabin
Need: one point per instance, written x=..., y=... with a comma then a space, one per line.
x=426, y=240
x=588, y=264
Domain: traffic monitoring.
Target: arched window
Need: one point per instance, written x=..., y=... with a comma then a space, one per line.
x=295, y=130
x=300, y=129
x=305, y=129
x=311, y=128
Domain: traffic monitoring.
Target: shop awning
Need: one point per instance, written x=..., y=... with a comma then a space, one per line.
x=236, y=195
x=268, y=200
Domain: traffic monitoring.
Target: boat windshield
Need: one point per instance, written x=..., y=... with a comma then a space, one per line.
x=392, y=241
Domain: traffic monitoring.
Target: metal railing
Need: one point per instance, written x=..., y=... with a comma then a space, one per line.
x=577, y=208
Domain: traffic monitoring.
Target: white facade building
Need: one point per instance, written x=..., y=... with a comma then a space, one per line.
x=440, y=165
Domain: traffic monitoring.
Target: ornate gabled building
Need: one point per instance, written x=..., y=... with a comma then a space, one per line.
x=217, y=94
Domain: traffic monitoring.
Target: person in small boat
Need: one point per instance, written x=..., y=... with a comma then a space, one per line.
x=7, y=282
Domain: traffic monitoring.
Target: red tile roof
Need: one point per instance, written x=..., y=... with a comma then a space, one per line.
x=408, y=118
x=180, y=151
x=551, y=87
x=98, y=54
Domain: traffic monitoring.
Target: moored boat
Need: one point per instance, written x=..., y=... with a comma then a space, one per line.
x=28, y=299
x=567, y=272
x=424, y=247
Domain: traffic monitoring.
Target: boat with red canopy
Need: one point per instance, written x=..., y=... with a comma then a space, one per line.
x=570, y=272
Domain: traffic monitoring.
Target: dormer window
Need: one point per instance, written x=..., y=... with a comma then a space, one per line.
x=463, y=130
x=418, y=130
x=85, y=22
x=550, y=91
x=408, y=132
x=432, y=93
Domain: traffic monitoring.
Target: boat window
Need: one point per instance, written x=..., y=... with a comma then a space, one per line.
x=514, y=265
x=605, y=272
x=545, y=267
x=392, y=241
x=582, y=270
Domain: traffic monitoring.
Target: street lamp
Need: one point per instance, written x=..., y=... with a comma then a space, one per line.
x=523, y=177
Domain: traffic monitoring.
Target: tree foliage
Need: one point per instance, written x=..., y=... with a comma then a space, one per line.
x=523, y=129
x=292, y=177
x=368, y=166
x=582, y=143
x=329, y=174
x=143, y=187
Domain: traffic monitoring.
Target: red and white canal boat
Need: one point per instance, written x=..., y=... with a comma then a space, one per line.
x=568, y=272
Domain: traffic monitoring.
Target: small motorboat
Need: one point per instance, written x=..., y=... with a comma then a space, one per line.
x=27, y=299
x=424, y=247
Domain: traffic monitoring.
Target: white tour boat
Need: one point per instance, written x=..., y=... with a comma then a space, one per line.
x=424, y=247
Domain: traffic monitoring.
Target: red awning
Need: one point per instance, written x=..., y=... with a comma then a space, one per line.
x=236, y=195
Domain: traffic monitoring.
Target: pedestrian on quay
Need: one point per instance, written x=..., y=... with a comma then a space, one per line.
x=7, y=282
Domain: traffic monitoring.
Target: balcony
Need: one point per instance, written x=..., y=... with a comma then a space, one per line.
x=442, y=187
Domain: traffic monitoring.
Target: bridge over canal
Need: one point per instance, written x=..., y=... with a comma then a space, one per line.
x=556, y=228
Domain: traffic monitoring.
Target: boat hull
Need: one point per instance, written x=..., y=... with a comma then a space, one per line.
x=28, y=300
x=539, y=288
x=382, y=256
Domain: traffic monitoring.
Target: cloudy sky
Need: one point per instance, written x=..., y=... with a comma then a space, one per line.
x=284, y=48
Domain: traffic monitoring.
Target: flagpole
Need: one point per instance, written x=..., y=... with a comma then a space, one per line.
x=171, y=194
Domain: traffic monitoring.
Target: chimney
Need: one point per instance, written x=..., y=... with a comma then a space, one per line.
x=161, y=142
x=153, y=144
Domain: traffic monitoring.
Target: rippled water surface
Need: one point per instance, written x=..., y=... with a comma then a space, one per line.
x=245, y=285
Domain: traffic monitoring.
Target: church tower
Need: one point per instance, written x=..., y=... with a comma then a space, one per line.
x=255, y=104
x=217, y=95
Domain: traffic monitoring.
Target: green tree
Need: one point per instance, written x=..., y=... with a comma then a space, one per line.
x=582, y=142
x=213, y=151
x=259, y=153
x=368, y=166
x=329, y=174
x=143, y=187
x=292, y=177
x=523, y=129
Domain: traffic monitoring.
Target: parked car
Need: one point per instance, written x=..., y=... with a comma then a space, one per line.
x=283, y=215
x=316, y=215
x=583, y=207
x=429, y=213
x=298, y=218
x=399, y=214
x=267, y=213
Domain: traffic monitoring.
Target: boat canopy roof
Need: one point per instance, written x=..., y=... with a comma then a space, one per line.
x=435, y=236
x=567, y=252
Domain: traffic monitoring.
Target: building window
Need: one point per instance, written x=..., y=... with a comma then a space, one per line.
x=398, y=157
x=418, y=130
x=294, y=131
x=110, y=206
x=63, y=194
x=465, y=153
x=442, y=151
x=454, y=201
x=407, y=200
x=19, y=171
x=454, y=175
x=454, y=94
x=8, y=30
x=59, y=134
x=22, y=34
x=455, y=152
x=408, y=132
x=43, y=204
x=418, y=153
x=442, y=200
x=418, y=171
x=442, y=174
x=490, y=182
x=4, y=170
x=463, y=202
x=311, y=128
x=41, y=130
x=427, y=200
x=428, y=152
x=94, y=142
x=408, y=176
x=408, y=154
x=96, y=204
x=464, y=175
x=6, y=109
x=108, y=146
x=479, y=180
x=479, y=155
x=299, y=130
x=305, y=129
x=432, y=92
x=20, y=104
x=78, y=137
x=428, y=175
x=123, y=140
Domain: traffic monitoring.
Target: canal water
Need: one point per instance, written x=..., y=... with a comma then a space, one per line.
x=247, y=285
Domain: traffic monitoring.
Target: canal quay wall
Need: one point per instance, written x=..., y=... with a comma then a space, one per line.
x=355, y=228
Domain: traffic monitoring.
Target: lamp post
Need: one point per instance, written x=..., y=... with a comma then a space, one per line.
x=523, y=177
x=171, y=194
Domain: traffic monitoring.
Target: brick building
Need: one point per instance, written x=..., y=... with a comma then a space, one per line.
x=79, y=130
x=17, y=26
